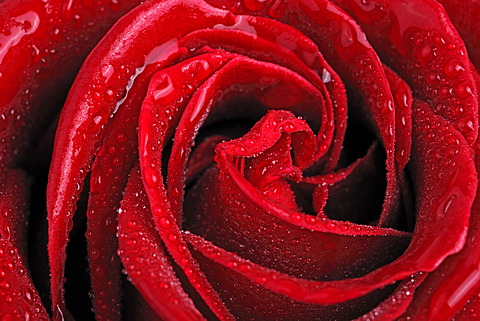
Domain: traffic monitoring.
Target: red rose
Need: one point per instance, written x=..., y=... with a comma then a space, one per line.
x=257, y=160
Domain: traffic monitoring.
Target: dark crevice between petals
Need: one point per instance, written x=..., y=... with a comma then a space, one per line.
x=77, y=285
x=134, y=306
x=358, y=198
x=358, y=139
x=37, y=168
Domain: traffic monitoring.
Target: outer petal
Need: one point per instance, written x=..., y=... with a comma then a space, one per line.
x=464, y=15
x=145, y=258
x=419, y=41
x=42, y=45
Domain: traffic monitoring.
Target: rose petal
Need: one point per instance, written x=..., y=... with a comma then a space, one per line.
x=19, y=300
x=418, y=40
x=38, y=62
x=18, y=296
x=14, y=210
x=464, y=16
x=264, y=82
x=154, y=127
x=454, y=282
x=110, y=169
x=240, y=282
x=397, y=302
x=85, y=114
x=446, y=206
x=402, y=96
x=145, y=258
x=251, y=230
x=470, y=311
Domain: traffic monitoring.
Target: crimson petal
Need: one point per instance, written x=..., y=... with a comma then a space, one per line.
x=39, y=58
x=83, y=120
x=277, y=295
x=464, y=16
x=454, y=282
x=145, y=258
x=396, y=304
x=19, y=299
x=418, y=39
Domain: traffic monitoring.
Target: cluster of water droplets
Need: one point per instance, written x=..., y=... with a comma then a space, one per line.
x=16, y=290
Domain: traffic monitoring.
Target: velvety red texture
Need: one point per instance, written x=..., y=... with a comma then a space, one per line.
x=239, y=160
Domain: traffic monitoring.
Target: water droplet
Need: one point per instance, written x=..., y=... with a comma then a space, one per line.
x=331, y=225
x=241, y=23
x=163, y=88
x=114, y=4
x=432, y=78
x=164, y=222
x=28, y=295
x=326, y=76
x=239, y=149
x=448, y=204
x=296, y=217
x=5, y=285
x=310, y=219
x=97, y=119
x=389, y=130
x=465, y=124
x=201, y=69
x=288, y=127
x=116, y=161
x=182, y=248
x=245, y=267
x=150, y=176
x=424, y=55
x=453, y=69
x=463, y=90
x=94, y=254
x=232, y=264
x=199, y=109
x=357, y=228
x=172, y=237
x=107, y=72
x=120, y=137
x=346, y=36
